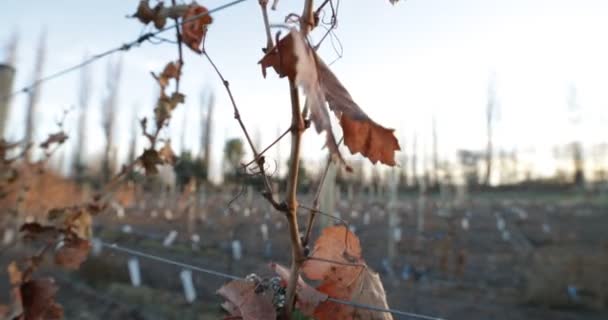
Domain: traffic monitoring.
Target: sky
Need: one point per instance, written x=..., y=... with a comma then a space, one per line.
x=404, y=64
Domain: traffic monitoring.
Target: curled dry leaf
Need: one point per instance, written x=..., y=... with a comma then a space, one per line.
x=80, y=224
x=346, y=277
x=15, y=276
x=149, y=160
x=38, y=298
x=72, y=252
x=308, y=298
x=165, y=105
x=35, y=229
x=361, y=133
x=246, y=302
x=338, y=244
x=59, y=138
x=194, y=28
x=171, y=71
x=159, y=14
x=166, y=154
x=293, y=57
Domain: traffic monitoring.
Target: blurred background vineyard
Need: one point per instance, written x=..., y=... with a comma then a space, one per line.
x=482, y=228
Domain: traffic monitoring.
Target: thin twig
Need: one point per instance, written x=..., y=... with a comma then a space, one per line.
x=314, y=209
x=267, y=148
x=343, y=221
x=237, y=115
x=264, y=7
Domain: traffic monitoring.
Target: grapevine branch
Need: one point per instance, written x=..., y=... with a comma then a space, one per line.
x=297, y=252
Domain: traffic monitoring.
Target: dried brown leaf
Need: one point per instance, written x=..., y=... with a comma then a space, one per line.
x=59, y=138
x=282, y=57
x=338, y=244
x=361, y=133
x=15, y=276
x=171, y=71
x=150, y=159
x=194, y=31
x=367, y=289
x=159, y=14
x=166, y=154
x=293, y=57
x=72, y=253
x=345, y=276
x=39, y=300
x=80, y=224
x=35, y=229
x=251, y=305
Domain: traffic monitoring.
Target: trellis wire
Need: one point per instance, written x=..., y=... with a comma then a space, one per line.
x=114, y=246
x=124, y=47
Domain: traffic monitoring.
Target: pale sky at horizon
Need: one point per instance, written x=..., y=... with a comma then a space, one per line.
x=403, y=64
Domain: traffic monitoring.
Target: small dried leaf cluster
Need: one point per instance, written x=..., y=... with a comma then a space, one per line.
x=293, y=57
x=195, y=20
x=66, y=239
x=337, y=263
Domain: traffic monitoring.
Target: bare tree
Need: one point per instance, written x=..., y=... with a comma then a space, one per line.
x=84, y=96
x=114, y=70
x=208, y=104
x=415, y=159
x=34, y=94
x=576, y=148
x=403, y=176
x=134, y=134
x=491, y=108
x=435, y=152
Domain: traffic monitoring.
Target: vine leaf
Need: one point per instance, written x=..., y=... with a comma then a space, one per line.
x=338, y=244
x=171, y=71
x=347, y=277
x=245, y=302
x=72, y=252
x=194, y=31
x=293, y=57
x=38, y=298
x=361, y=133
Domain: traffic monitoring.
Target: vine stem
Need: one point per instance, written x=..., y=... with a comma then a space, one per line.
x=297, y=253
x=297, y=127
